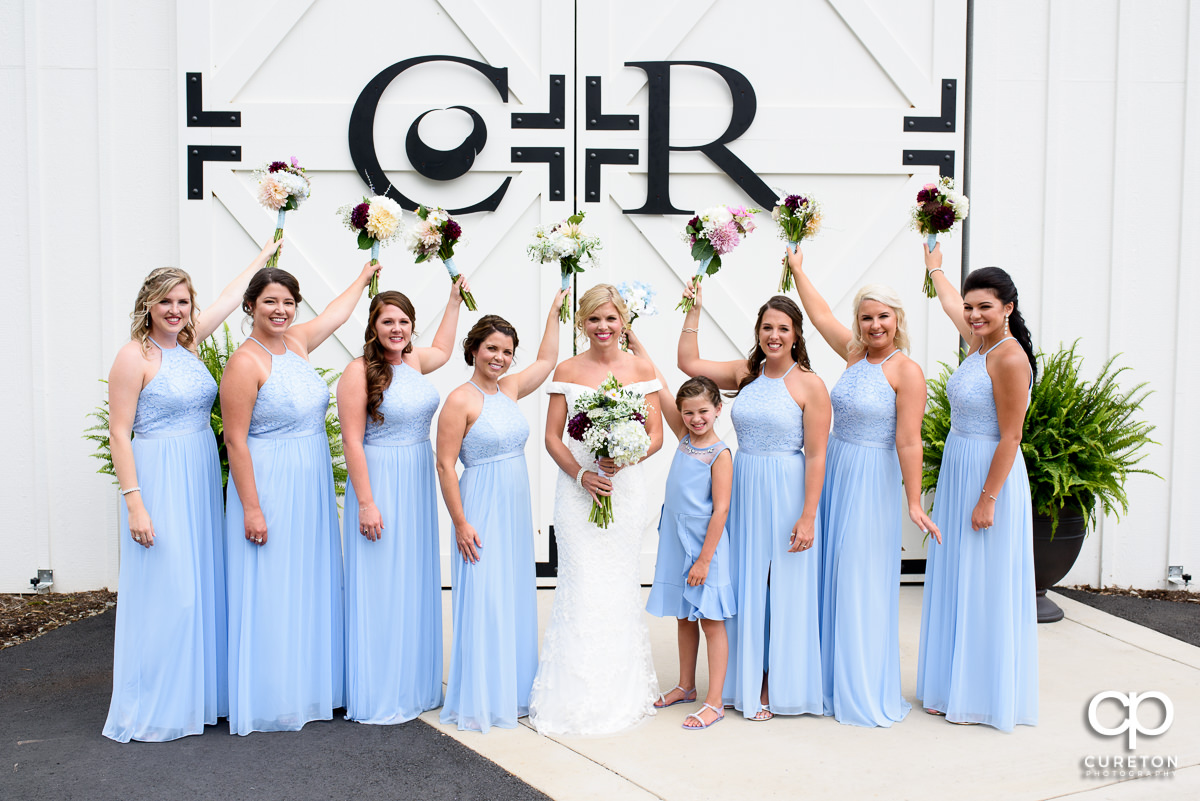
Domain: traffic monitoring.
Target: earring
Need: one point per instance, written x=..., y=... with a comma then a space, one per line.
x=1006, y=325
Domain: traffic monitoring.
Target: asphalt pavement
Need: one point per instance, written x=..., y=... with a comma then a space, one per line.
x=54, y=694
x=1173, y=618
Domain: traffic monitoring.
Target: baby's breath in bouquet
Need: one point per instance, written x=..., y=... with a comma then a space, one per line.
x=611, y=424
x=799, y=218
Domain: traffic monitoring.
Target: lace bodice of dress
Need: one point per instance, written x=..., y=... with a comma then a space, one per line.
x=408, y=406
x=766, y=417
x=864, y=405
x=499, y=431
x=292, y=401
x=179, y=399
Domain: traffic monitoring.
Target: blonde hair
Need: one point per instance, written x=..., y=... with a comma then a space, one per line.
x=888, y=297
x=158, y=285
x=596, y=297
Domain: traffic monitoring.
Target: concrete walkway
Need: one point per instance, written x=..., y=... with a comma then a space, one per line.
x=922, y=757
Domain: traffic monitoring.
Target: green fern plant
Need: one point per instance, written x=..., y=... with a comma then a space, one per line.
x=1081, y=440
x=215, y=352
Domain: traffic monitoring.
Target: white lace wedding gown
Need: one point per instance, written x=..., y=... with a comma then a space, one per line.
x=596, y=675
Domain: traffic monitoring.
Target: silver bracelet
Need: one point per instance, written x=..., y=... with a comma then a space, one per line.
x=691, y=331
x=937, y=270
x=579, y=477
x=131, y=489
x=985, y=492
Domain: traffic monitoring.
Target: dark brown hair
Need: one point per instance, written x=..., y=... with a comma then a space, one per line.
x=695, y=387
x=488, y=324
x=265, y=276
x=754, y=362
x=1000, y=283
x=378, y=370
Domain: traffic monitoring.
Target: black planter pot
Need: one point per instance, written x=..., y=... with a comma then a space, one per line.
x=1052, y=558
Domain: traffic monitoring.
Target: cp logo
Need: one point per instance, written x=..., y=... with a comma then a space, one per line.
x=1132, y=724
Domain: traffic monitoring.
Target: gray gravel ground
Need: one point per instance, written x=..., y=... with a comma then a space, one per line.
x=54, y=694
x=1173, y=618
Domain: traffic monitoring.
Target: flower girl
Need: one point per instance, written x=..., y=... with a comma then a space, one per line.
x=691, y=575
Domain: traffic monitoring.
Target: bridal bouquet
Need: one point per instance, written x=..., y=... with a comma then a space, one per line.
x=799, y=218
x=712, y=234
x=611, y=423
x=376, y=221
x=938, y=208
x=639, y=300
x=435, y=236
x=282, y=187
x=566, y=243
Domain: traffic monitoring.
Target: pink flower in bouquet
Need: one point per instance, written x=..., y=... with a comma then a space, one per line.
x=428, y=234
x=272, y=194
x=725, y=238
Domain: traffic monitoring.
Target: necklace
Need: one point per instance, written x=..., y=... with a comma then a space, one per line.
x=693, y=450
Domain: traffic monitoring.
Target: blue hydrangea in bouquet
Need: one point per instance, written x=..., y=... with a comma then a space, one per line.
x=611, y=423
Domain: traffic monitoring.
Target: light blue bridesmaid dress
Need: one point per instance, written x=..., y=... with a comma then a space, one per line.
x=860, y=512
x=978, y=661
x=286, y=641
x=682, y=529
x=169, y=664
x=776, y=626
x=494, y=654
x=394, y=585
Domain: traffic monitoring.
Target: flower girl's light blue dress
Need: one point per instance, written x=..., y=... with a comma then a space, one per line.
x=978, y=661
x=394, y=585
x=776, y=627
x=682, y=529
x=494, y=656
x=860, y=512
x=169, y=661
x=286, y=641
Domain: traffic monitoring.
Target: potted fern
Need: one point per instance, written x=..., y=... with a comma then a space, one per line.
x=215, y=352
x=1082, y=440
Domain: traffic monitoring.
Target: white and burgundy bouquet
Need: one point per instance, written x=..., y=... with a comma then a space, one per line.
x=611, y=423
x=712, y=234
x=282, y=187
x=566, y=243
x=799, y=218
x=435, y=237
x=377, y=221
x=938, y=208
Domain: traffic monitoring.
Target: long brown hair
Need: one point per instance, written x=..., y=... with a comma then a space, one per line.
x=378, y=369
x=757, y=357
x=158, y=285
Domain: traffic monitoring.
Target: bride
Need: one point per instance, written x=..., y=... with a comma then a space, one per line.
x=595, y=675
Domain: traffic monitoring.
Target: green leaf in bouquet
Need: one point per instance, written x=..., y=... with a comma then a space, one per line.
x=420, y=258
x=713, y=265
x=575, y=219
x=701, y=249
x=422, y=212
x=364, y=240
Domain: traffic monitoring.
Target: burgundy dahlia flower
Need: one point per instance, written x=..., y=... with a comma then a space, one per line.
x=453, y=230
x=578, y=426
x=358, y=216
x=276, y=166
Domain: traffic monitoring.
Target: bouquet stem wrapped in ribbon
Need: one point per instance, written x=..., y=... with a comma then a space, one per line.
x=282, y=187
x=377, y=220
x=938, y=209
x=566, y=243
x=435, y=236
x=611, y=424
x=712, y=234
x=799, y=218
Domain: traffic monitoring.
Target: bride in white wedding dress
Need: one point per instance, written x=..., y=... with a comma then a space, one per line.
x=595, y=675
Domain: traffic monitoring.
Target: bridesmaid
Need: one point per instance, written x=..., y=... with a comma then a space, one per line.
x=286, y=644
x=873, y=466
x=494, y=653
x=781, y=419
x=169, y=671
x=393, y=562
x=978, y=661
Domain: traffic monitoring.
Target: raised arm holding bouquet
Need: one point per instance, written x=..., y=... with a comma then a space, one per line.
x=799, y=218
x=566, y=243
x=435, y=236
x=377, y=221
x=938, y=208
x=282, y=187
x=712, y=234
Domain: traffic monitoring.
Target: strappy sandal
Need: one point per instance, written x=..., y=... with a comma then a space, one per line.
x=662, y=697
x=763, y=714
x=720, y=716
x=937, y=712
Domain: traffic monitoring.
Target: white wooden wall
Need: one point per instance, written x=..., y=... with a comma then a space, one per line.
x=1084, y=186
